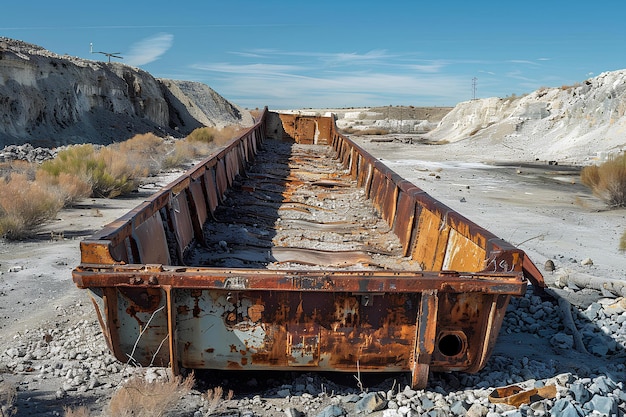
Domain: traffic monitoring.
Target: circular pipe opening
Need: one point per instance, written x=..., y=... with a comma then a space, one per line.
x=450, y=345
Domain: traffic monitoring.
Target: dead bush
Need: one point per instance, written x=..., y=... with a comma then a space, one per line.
x=215, y=400
x=139, y=398
x=25, y=205
x=608, y=180
x=8, y=394
x=69, y=187
x=213, y=135
x=76, y=412
x=148, y=151
x=109, y=170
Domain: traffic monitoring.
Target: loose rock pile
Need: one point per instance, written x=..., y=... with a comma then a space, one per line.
x=26, y=152
x=69, y=364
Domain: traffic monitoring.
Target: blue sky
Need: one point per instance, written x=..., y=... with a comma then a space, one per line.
x=292, y=54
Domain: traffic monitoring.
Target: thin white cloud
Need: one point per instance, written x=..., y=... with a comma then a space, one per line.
x=248, y=69
x=149, y=49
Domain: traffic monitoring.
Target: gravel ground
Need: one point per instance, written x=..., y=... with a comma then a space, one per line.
x=53, y=354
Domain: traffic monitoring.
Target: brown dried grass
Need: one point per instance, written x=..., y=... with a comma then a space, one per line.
x=215, y=400
x=608, y=180
x=139, y=398
x=25, y=205
x=76, y=412
x=8, y=394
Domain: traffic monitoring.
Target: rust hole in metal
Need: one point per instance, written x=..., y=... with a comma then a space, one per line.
x=451, y=344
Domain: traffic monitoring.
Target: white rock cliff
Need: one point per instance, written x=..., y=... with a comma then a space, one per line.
x=51, y=100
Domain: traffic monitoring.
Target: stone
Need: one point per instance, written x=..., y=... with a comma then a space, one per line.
x=562, y=341
x=332, y=411
x=580, y=392
x=293, y=412
x=564, y=408
x=604, y=405
x=477, y=410
x=371, y=402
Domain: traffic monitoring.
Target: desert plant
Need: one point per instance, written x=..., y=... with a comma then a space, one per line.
x=8, y=394
x=622, y=242
x=148, y=151
x=214, y=399
x=76, y=412
x=608, y=180
x=109, y=171
x=68, y=186
x=213, y=135
x=140, y=398
x=25, y=205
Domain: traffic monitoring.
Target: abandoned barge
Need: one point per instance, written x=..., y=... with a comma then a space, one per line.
x=293, y=248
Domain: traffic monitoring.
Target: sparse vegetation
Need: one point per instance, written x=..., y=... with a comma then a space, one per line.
x=32, y=194
x=8, y=394
x=608, y=180
x=214, y=399
x=139, y=398
x=76, y=412
x=25, y=205
x=108, y=170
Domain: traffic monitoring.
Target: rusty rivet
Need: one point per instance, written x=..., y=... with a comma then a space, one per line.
x=153, y=280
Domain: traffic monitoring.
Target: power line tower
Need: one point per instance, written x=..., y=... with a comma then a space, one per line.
x=108, y=54
x=474, y=88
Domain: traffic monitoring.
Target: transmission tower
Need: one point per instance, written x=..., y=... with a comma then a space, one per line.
x=108, y=54
x=474, y=88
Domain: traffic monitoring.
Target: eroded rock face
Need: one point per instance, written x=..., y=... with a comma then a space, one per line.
x=51, y=100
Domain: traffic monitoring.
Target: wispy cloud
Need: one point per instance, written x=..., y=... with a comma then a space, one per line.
x=149, y=49
x=281, y=79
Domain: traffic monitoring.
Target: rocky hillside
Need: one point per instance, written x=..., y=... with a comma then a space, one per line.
x=51, y=100
x=573, y=124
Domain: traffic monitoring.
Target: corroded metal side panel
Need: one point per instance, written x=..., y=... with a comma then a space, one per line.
x=149, y=236
x=183, y=227
x=281, y=330
x=141, y=326
x=211, y=190
x=430, y=232
x=462, y=254
x=405, y=217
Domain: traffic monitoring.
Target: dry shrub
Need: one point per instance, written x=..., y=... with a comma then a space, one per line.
x=198, y=144
x=213, y=135
x=608, y=180
x=76, y=412
x=622, y=242
x=25, y=205
x=148, y=151
x=109, y=170
x=8, y=394
x=68, y=186
x=214, y=398
x=139, y=398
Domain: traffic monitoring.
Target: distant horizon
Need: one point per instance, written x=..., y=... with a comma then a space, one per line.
x=338, y=54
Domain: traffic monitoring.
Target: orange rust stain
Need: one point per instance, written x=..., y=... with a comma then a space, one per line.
x=255, y=312
x=233, y=348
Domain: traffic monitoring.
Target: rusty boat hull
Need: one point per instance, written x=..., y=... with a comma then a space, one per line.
x=294, y=249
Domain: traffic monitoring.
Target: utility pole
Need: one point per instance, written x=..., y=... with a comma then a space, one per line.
x=474, y=88
x=108, y=54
